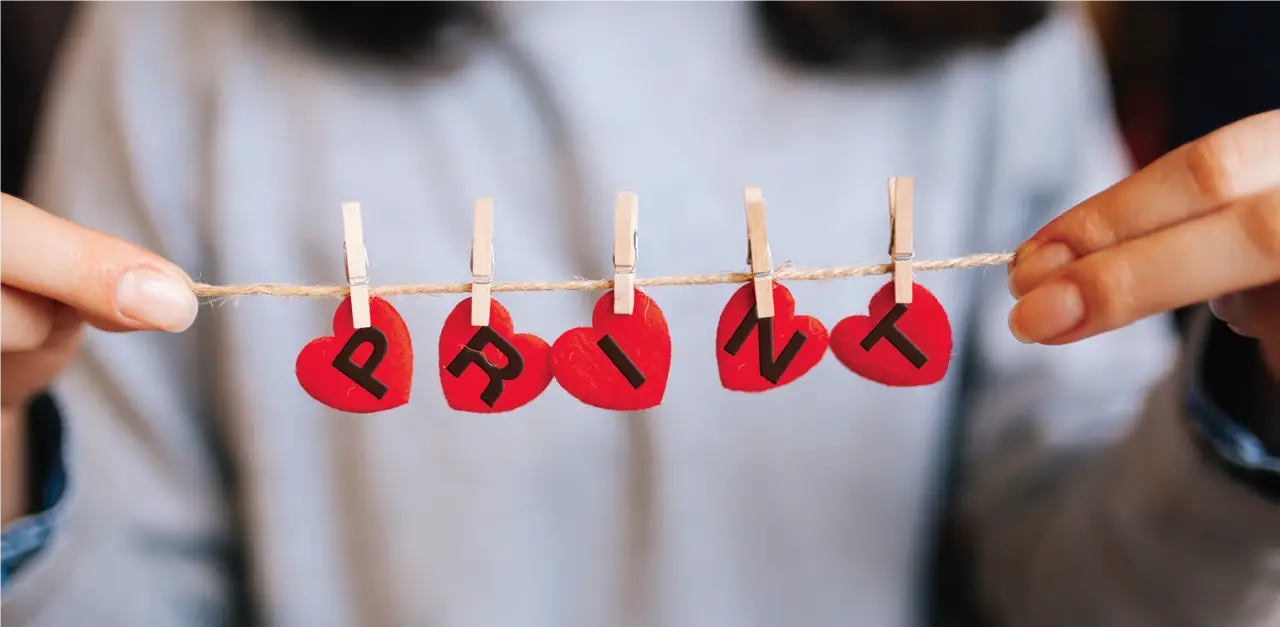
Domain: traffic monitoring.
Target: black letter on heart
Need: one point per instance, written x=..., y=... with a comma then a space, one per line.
x=363, y=375
x=472, y=354
x=621, y=361
x=771, y=369
x=885, y=329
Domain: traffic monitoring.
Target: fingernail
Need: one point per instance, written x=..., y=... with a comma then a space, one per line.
x=157, y=300
x=1038, y=264
x=1047, y=312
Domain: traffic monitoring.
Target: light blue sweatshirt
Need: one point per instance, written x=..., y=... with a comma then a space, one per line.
x=207, y=488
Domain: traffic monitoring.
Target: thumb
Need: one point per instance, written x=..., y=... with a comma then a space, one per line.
x=110, y=281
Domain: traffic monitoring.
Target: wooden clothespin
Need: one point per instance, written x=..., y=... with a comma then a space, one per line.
x=758, y=255
x=482, y=262
x=901, y=247
x=626, y=238
x=357, y=264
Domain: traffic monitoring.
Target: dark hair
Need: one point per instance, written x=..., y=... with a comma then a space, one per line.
x=870, y=35
x=815, y=35
x=396, y=33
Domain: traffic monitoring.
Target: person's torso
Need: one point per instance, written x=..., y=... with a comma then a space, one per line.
x=805, y=505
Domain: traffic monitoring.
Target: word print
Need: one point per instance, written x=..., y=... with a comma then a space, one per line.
x=622, y=361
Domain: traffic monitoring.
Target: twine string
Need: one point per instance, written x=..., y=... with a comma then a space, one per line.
x=781, y=274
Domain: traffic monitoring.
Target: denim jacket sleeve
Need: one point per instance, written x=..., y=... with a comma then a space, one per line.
x=1224, y=408
x=24, y=538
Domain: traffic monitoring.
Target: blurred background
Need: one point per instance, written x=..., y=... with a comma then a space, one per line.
x=31, y=33
x=1178, y=70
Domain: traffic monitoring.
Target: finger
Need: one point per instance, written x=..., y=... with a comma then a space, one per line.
x=25, y=373
x=25, y=320
x=104, y=325
x=1255, y=313
x=1252, y=313
x=1235, y=162
x=66, y=328
x=105, y=277
x=1228, y=251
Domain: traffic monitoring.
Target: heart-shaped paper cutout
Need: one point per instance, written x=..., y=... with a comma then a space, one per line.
x=490, y=369
x=360, y=370
x=923, y=325
x=621, y=361
x=798, y=342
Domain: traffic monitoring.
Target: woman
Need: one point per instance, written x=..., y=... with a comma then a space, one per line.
x=206, y=487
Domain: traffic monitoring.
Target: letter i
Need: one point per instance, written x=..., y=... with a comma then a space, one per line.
x=623, y=360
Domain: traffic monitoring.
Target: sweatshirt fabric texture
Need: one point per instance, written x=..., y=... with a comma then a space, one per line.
x=206, y=488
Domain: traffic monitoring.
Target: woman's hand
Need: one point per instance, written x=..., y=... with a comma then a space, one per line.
x=57, y=275
x=1200, y=224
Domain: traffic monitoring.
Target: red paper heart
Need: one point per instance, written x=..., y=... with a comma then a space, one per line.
x=924, y=324
x=626, y=372
x=469, y=386
x=739, y=361
x=372, y=386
